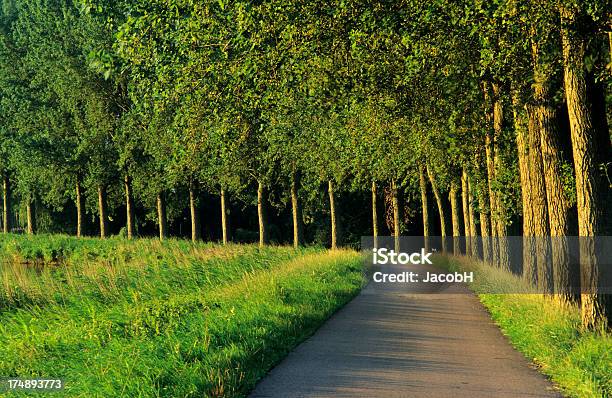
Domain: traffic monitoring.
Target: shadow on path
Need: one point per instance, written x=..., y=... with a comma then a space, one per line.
x=391, y=342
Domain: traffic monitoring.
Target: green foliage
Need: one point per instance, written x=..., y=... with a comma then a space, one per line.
x=227, y=94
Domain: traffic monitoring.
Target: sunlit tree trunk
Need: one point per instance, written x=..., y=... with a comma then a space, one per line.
x=6, y=185
x=522, y=139
x=538, y=206
x=374, y=214
x=194, y=213
x=296, y=212
x=485, y=222
x=31, y=215
x=610, y=43
x=80, y=205
x=102, y=211
x=440, y=204
x=424, y=205
x=333, y=215
x=489, y=152
x=588, y=183
x=129, y=206
x=500, y=211
x=161, y=216
x=558, y=206
x=466, y=214
x=261, y=215
x=454, y=202
x=473, y=232
x=224, y=218
x=396, y=216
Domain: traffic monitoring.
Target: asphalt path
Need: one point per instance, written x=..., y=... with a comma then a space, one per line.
x=407, y=340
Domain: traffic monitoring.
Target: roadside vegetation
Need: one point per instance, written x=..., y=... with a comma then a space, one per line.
x=546, y=330
x=161, y=319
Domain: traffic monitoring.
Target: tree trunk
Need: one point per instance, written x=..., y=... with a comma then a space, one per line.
x=195, y=214
x=584, y=137
x=485, y=223
x=261, y=214
x=129, y=206
x=102, y=211
x=440, y=204
x=31, y=215
x=396, y=216
x=454, y=201
x=552, y=160
x=522, y=139
x=492, y=201
x=7, y=204
x=296, y=212
x=161, y=216
x=500, y=223
x=489, y=151
x=80, y=205
x=224, y=218
x=374, y=215
x=466, y=214
x=610, y=43
x=424, y=206
x=333, y=215
x=538, y=204
x=473, y=231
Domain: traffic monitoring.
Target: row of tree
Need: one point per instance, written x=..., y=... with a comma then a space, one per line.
x=497, y=110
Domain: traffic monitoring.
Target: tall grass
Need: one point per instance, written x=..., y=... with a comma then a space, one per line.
x=545, y=330
x=39, y=270
x=164, y=320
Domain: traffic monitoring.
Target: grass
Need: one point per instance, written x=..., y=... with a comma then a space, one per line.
x=544, y=330
x=149, y=319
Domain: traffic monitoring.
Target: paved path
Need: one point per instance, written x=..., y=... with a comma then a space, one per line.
x=392, y=342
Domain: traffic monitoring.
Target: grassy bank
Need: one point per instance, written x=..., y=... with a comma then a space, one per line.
x=545, y=331
x=172, y=319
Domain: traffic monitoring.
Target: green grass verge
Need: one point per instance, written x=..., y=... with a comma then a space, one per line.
x=544, y=330
x=172, y=319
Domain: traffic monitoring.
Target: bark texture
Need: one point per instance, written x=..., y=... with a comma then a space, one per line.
x=538, y=205
x=485, y=221
x=161, y=216
x=440, y=204
x=396, y=216
x=588, y=185
x=424, y=206
x=31, y=215
x=454, y=202
x=374, y=214
x=296, y=213
x=333, y=215
x=6, y=216
x=466, y=214
x=80, y=205
x=500, y=211
x=552, y=160
x=224, y=218
x=261, y=214
x=129, y=206
x=195, y=215
x=102, y=211
x=522, y=139
x=494, y=258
